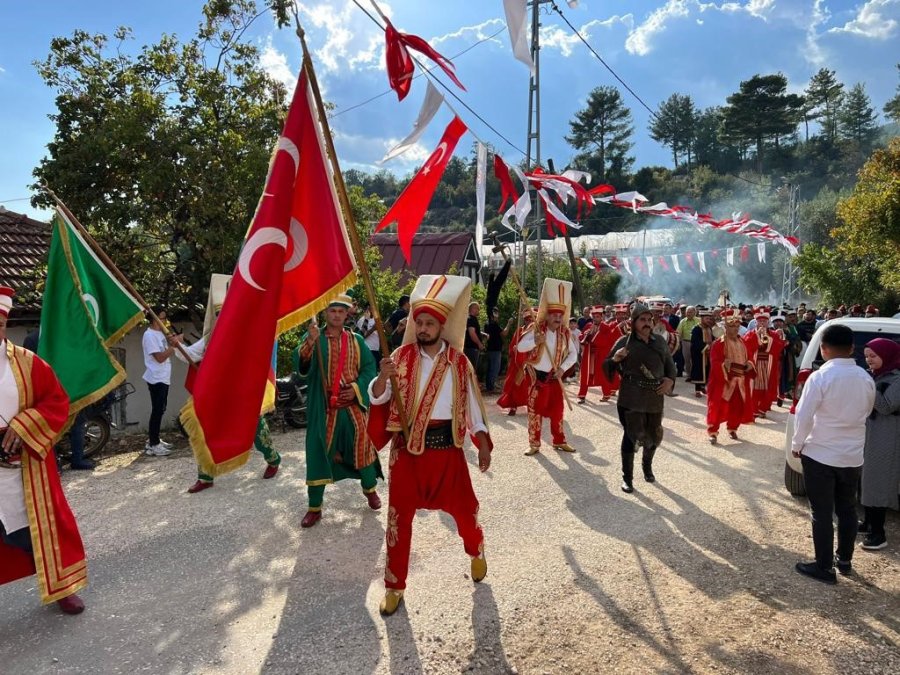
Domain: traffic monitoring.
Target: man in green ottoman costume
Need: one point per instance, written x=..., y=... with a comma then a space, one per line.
x=337, y=367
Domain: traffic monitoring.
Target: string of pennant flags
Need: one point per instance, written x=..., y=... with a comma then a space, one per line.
x=696, y=261
x=556, y=192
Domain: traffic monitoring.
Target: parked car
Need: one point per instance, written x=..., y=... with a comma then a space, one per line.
x=864, y=330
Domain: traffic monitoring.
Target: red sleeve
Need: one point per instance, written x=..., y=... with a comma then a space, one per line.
x=39, y=424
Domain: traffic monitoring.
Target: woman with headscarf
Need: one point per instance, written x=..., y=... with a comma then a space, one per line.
x=881, y=466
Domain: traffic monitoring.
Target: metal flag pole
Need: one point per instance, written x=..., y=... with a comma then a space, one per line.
x=352, y=234
x=117, y=273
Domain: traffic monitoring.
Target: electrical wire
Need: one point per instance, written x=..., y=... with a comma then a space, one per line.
x=446, y=88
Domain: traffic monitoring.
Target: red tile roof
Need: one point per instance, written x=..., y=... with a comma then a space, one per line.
x=24, y=244
x=432, y=253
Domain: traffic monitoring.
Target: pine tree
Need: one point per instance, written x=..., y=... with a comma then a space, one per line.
x=824, y=94
x=857, y=119
x=675, y=126
x=602, y=131
x=892, y=107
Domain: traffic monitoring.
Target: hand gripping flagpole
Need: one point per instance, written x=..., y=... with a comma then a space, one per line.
x=111, y=266
x=352, y=234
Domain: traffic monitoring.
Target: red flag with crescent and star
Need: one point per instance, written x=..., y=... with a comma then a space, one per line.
x=410, y=207
x=296, y=257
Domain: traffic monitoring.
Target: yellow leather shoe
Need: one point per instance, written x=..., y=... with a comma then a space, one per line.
x=532, y=451
x=479, y=568
x=391, y=602
x=564, y=447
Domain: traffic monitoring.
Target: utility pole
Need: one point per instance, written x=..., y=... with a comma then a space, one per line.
x=790, y=280
x=534, y=134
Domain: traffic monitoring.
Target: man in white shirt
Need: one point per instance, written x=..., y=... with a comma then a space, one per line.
x=829, y=435
x=366, y=328
x=158, y=375
x=551, y=352
x=442, y=405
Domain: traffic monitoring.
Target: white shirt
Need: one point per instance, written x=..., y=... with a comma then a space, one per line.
x=155, y=342
x=195, y=351
x=526, y=344
x=443, y=406
x=12, y=492
x=830, y=421
x=364, y=325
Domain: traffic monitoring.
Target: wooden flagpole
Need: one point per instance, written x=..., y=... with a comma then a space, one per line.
x=111, y=266
x=353, y=235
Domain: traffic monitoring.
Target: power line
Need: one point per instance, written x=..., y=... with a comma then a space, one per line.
x=415, y=77
x=445, y=87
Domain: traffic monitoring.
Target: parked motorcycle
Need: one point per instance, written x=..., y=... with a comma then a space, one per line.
x=290, y=402
x=98, y=425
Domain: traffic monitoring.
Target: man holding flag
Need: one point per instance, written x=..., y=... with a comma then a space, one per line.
x=338, y=368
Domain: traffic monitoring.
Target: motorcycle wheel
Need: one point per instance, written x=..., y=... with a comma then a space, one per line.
x=295, y=417
x=96, y=435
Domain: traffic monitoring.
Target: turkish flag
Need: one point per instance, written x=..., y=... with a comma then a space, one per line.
x=400, y=65
x=276, y=285
x=410, y=207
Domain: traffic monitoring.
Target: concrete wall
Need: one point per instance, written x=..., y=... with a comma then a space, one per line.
x=137, y=406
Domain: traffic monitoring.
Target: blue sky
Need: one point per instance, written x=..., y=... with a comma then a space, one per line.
x=659, y=47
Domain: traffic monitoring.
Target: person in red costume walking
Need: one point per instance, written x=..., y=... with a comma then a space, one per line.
x=440, y=395
x=551, y=351
x=518, y=378
x=38, y=533
x=764, y=347
x=729, y=397
x=596, y=341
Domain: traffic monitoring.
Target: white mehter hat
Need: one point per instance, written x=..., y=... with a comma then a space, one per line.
x=6, y=296
x=446, y=297
x=556, y=296
x=218, y=287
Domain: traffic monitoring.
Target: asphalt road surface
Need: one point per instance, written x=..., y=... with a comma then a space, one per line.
x=691, y=574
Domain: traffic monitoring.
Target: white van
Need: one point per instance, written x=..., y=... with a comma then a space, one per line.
x=864, y=330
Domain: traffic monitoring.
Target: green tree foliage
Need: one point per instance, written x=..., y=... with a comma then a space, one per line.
x=675, y=126
x=857, y=119
x=824, y=94
x=163, y=154
x=762, y=111
x=892, y=107
x=602, y=132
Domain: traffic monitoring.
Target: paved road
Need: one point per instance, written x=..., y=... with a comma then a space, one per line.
x=691, y=574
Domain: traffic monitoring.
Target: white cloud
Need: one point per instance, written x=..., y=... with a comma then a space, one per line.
x=363, y=151
x=814, y=52
x=559, y=37
x=275, y=64
x=2, y=69
x=473, y=33
x=873, y=20
x=641, y=40
x=352, y=40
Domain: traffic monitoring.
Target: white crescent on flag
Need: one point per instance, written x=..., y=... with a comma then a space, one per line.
x=301, y=245
x=262, y=237
x=436, y=157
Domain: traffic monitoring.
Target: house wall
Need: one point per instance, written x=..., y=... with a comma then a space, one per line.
x=137, y=405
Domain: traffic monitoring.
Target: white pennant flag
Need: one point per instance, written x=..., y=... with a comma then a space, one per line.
x=517, y=23
x=430, y=106
x=729, y=256
x=627, y=266
x=761, y=252
x=605, y=261
x=675, y=264
x=701, y=260
x=650, y=265
x=521, y=208
x=480, y=186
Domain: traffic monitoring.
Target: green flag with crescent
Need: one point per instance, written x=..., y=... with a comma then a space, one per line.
x=84, y=310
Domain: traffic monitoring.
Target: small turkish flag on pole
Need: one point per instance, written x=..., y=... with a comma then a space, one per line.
x=410, y=207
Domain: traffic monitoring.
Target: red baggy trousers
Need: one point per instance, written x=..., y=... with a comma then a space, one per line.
x=436, y=480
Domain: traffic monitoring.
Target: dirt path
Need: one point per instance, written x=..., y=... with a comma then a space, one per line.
x=690, y=574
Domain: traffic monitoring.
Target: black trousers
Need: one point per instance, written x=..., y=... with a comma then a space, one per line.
x=831, y=491
x=20, y=539
x=875, y=516
x=159, y=396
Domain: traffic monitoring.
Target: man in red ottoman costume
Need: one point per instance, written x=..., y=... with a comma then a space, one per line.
x=596, y=341
x=518, y=378
x=38, y=533
x=764, y=346
x=428, y=470
x=729, y=397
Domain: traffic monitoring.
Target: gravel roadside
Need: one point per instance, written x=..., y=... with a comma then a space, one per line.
x=690, y=574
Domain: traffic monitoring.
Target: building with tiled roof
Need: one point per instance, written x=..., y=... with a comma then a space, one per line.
x=24, y=244
x=431, y=253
